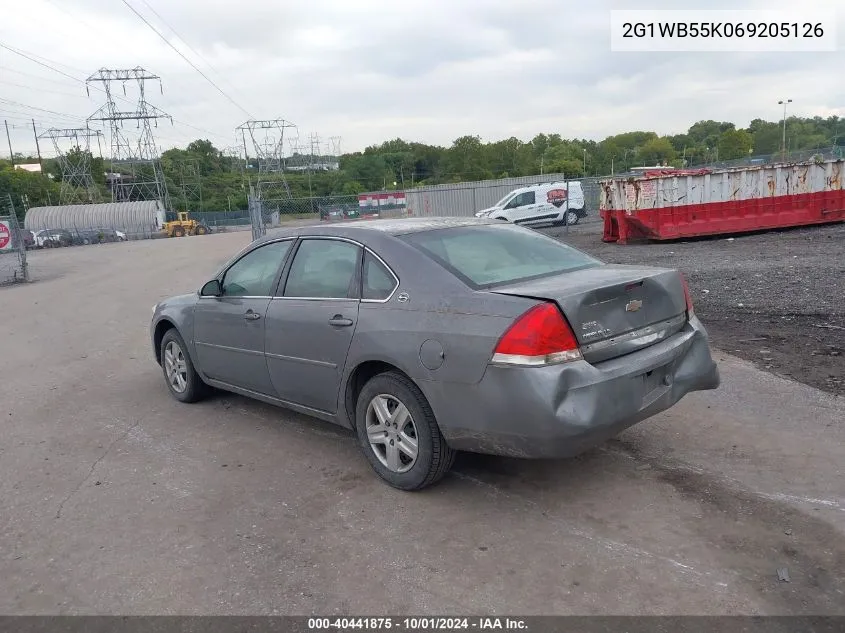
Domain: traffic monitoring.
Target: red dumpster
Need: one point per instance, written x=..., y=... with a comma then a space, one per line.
x=671, y=204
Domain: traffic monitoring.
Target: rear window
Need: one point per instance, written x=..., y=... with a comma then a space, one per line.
x=490, y=255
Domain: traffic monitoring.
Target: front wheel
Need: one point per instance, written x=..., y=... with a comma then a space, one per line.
x=182, y=379
x=399, y=435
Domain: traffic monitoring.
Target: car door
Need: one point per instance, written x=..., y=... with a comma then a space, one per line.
x=522, y=207
x=229, y=329
x=309, y=326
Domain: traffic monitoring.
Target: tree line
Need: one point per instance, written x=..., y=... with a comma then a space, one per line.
x=201, y=178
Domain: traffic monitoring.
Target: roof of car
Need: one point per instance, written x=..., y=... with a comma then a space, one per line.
x=398, y=226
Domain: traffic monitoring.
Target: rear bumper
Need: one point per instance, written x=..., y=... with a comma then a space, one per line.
x=563, y=410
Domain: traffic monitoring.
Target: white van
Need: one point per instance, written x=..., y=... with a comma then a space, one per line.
x=543, y=203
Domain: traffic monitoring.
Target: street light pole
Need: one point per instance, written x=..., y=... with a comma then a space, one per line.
x=585, y=162
x=783, y=102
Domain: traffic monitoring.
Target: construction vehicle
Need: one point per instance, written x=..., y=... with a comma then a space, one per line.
x=184, y=226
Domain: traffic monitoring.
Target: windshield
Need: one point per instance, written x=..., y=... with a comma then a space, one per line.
x=489, y=255
x=505, y=200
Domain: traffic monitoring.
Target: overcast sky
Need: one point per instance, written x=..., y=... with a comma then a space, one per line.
x=368, y=71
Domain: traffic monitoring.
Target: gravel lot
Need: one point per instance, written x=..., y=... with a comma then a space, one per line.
x=116, y=499
x=776, y=298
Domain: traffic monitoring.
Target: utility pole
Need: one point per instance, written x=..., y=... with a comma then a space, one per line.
x=38, y=149
x=267, y=137
x=142, y=177
x=9, y=138
x=783, y=102
x=74, y=163
x=585, y=162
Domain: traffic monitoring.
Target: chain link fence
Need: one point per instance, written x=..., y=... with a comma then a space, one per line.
x=797, y=156
x=13, y=244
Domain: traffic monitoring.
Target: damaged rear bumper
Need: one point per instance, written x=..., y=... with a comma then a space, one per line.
x=563, y=410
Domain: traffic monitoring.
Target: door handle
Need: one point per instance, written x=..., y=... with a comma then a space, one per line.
x=340, y=321
x=252, y=316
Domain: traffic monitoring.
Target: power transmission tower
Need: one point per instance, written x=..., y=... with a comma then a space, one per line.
x=334, y=141
x=75, y=163
x=267, y=139
x=141, y=176
x=190, y=183
x=235, y=155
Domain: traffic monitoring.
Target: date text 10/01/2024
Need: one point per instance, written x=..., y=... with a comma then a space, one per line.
x=417, y=624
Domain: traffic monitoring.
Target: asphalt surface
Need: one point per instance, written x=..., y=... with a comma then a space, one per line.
x=116, y=499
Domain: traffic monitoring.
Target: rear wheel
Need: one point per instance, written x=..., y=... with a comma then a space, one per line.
x=182, y=379
x=399, y=435
x=572, y=218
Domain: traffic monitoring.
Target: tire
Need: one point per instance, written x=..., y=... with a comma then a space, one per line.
x=201, y=230
x=572, y=218
x=433, y=458
x=172, y=346
x=178, y=232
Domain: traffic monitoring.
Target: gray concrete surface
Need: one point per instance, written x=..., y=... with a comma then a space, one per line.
x=116, y=499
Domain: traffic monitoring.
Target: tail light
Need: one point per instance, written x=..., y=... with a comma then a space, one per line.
x=687, y=296
x=541, y=336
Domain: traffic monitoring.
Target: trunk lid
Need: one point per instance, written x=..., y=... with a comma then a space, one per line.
x=613, y=309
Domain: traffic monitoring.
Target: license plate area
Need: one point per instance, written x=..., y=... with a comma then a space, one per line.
x=655, y=383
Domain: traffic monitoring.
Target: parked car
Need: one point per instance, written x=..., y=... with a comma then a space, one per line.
x=98, y=236
x=543, y=203
x=429, y=336
x=53, y=238
x=335, y=213
x=26, y=236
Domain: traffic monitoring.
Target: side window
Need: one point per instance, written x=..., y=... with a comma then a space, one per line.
x=525, y=198
x=253, y=274
x=324, y=269
x=378, y=281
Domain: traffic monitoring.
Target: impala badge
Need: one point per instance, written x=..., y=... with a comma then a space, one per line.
x=633, y=306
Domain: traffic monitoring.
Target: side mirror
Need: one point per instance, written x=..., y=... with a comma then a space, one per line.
x=212, y=289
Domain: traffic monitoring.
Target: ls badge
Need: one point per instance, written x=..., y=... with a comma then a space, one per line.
x=633, y=306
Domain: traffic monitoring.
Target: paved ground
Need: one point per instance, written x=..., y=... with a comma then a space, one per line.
x=114, y=498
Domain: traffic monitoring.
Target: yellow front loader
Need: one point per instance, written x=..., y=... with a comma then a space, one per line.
x=184, y=226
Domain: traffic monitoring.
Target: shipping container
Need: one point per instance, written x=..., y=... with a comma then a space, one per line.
x=670, y=204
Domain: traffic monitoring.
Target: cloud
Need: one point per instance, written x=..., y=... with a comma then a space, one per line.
x=369, y=71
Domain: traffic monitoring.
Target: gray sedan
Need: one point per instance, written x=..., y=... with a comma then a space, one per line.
x=427, y=337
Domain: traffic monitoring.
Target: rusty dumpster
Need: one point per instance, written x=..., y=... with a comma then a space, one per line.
x=670, y=204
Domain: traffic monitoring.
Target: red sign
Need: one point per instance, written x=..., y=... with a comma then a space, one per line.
x=5, y=236
x=557, y=197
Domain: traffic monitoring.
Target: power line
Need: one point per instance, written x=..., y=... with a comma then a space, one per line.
x=18, y=104
x=166, y=41
x=55, y=92
x=58, y=82
x=185, y=42
x=30, y=57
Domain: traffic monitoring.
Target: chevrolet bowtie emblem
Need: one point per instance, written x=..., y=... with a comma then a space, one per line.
x=633, y=306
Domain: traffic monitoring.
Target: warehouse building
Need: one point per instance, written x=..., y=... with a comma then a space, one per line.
x=136, y=219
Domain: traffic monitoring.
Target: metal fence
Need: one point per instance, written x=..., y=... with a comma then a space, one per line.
x=13, y=266
x=465, y=199
x=819, y=154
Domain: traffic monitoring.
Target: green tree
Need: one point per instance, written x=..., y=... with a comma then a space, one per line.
x=735, y=144
x=657, y=151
